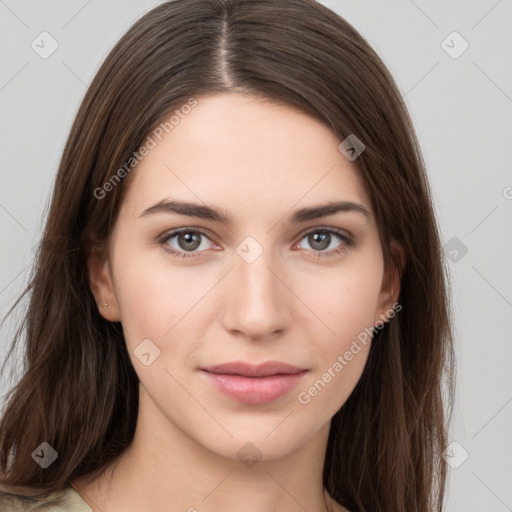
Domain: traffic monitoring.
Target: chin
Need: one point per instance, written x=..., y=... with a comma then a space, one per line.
x=261, y=440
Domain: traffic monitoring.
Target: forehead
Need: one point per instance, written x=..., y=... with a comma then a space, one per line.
x=241, y=152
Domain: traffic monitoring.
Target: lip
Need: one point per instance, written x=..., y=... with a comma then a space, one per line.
x=254, y=384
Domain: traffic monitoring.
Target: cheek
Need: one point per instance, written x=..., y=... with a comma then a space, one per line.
x=346, y=298
x=346, y=302
x=152, y=297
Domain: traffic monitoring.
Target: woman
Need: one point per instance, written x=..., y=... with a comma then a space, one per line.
x=239, y=299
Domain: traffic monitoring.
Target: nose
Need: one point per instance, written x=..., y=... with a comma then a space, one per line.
x=257, y=301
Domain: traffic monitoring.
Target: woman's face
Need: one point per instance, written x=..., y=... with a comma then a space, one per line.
x=269, y=282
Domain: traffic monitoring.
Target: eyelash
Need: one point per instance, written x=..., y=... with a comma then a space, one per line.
x=348, y=241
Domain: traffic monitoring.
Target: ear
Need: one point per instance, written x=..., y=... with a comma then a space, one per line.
x=101, y=284
x=391, y=280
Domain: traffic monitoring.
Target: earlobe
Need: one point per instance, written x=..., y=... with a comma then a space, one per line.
x=100, y=282
x=391, y=283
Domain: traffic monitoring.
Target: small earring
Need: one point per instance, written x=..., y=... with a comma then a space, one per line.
x=105, y=305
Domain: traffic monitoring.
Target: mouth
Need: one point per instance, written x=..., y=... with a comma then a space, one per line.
x=254, y=384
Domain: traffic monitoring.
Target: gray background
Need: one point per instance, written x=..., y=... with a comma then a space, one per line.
x=461, y=109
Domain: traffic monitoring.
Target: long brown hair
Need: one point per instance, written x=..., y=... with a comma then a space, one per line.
x=79, y=391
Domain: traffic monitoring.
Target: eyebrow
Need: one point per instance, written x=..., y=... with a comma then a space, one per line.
x=208, y=213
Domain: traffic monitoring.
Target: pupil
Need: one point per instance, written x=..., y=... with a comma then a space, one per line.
x=322, y=239
x=188, y=238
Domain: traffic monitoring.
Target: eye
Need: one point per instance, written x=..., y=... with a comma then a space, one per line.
x=321, y=239
x=186, y=241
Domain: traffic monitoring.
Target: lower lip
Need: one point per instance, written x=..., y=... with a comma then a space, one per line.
x=254, y=390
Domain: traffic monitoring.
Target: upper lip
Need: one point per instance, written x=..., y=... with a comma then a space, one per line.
x=252, y=370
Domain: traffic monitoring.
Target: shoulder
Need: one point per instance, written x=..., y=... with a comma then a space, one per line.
x=66, y=500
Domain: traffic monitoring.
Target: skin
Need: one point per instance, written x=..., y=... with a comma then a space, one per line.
x=259, y=162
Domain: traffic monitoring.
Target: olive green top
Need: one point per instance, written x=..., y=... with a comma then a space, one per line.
x=66, y=500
